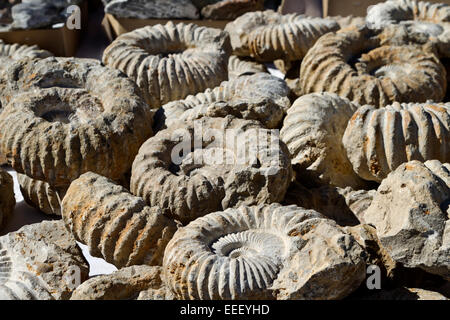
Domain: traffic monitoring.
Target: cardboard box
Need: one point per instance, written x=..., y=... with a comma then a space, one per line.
x=114, y=27
x=357, y=8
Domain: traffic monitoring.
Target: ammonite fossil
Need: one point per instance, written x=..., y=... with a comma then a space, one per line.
x=268, y=36
x=356, y=65
x=169, y=62
x=7, y=199
x=239, y=66
x=261, y=97
x=82, y=117
x=41, y=195
x=263, y=252
x=313, y=131
x=377, y=141
x=190, y=170
x=114, y=224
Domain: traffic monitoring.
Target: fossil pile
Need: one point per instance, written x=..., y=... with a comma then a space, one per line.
x=182, y=161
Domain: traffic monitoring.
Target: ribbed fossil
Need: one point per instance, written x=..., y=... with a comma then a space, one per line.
x=82, y=117
x=114, y=224
x=7, y=199
x=313, y=131
x=169, y=62
x=261, y=97
x=357, y=65
x=262, y=252
x=377, y=141
x=238, y=66
x=267, y=35
x=190, y=170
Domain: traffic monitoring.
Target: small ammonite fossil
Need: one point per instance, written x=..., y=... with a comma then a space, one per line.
x=267, y=35
x=377, y=141
x=239, y=66
x=114, y=224
x=263, y=252
x=169, y=62
x=360, y=65
x=261, y=97
x=81, y=117
x=192, y=169
x=7, y=199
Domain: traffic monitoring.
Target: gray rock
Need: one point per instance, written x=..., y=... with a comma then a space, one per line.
x=34, y=15
x=148, y=9
x=231, y=9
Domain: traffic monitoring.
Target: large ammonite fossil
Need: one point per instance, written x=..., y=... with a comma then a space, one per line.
x=81, y=117
x=268, y=36
x=261, y=97
x=377, y=141
x=356, y=65
x=169, y=62
x=239, y=66
x=313, y=131
x=263, y=252
x=192, y=169
x=114, y=224
x=7, y=199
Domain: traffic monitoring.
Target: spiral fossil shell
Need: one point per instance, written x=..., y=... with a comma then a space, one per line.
x=225, y=162
x=268, y=36
x=379, y=140
x=82, y=117
x=169, y=62
x=313, y=131
x=261, y=97
x=255, y=252
x=7, y=199
x=384, y=74
x=114, y=224
x=238, y=66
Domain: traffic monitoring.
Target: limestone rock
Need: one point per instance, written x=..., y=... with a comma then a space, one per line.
x=114, y=224
x=348, y=21
x=40, y=261
x=411, y=214
x=152, y=9
x=231, y=9
x=263, y=252
x=358, y=201
x=238, y=66
x=34, y=15
x=7, y=199
x=377, y=141
x=261, y=97
x=169, y=62
x=190, y=170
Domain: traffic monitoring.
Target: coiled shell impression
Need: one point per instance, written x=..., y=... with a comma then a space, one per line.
x=256, y=252
x=239, y=66
x=7, y=199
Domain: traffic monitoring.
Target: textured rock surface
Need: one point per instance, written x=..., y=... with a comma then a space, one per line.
x=263, y=252
x=225, y=162
x=7, y=200
x=313, y=130
x=414, y=228
x=238, y=66
x=261, y=97
x=231, y=9
x=152, y=9
x=377, y=141
x=41, y=195
x=358, y=201
x=114, y=224
x=348, y=21
x=171, y=61
x=34, y=15
x=268, y=36
x=40, y=261
x=135, y=282
x=83, y=117
x=361, y=65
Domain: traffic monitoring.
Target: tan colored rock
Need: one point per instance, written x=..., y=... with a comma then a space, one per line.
x=313, y=130
x=239, y=66
x=261, y=97
x=382, y=75
x=267, y=35
x=231, y=9
x=7, y=199
x=40, y=262
x=80, y=117
x=411, y=214
x=131, y=283
x=263, y=252
x=348, y=21
x=358, y=201
x=169, y=62
x=114, y=224
x=234, y=162
x=377, y=141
